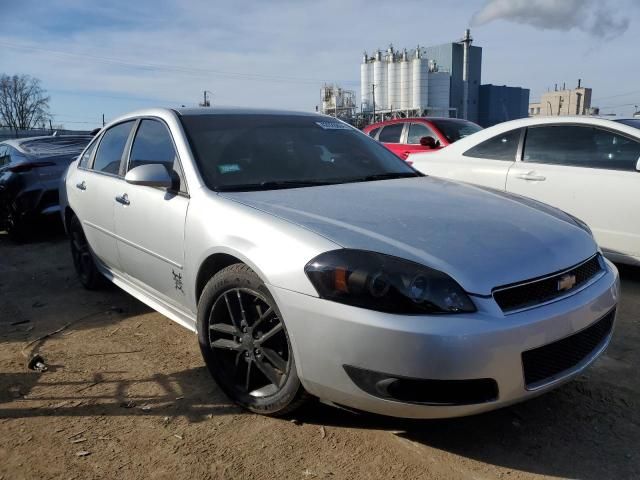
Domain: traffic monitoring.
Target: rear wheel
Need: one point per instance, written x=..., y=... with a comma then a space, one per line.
x=83, y=262
x=245, y=344
x=17, y=226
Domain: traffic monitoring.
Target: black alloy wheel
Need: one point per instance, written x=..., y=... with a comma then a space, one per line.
x=251, y=342
x=245, y=343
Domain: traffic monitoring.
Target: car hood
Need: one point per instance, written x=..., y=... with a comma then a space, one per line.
x=481, y=237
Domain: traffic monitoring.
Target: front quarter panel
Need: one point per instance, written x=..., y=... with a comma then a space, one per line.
x=275, y=249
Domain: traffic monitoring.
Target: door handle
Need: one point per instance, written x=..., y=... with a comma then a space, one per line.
x=123, y=199
x=531, y=176
x=81, y=186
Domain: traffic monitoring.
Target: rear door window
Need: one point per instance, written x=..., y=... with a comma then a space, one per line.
x=391, y=133
x=111, y=148
x=580, y=146
x=153, y=144
x=86, y=157
x=500, y=147
x=374, y=132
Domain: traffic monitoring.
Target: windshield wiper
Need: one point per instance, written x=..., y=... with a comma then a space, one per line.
x=387, y=176
x=272, y=185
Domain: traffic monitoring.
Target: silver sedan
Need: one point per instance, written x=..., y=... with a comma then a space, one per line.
x=311, y=261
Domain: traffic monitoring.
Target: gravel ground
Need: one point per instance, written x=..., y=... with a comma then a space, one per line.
x=127, y=396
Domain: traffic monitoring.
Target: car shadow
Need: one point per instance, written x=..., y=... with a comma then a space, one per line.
x=188, y=393
x=565, y=433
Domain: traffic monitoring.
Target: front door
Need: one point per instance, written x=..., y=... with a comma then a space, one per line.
x=415, y=132
x=590, y=173
x=150, y=221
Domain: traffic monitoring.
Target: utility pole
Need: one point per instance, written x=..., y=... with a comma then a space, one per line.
x=103, y=119
x=373, y=99
x=206, y=102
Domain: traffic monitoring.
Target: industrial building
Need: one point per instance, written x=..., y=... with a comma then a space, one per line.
x=404, y=82
x=442, y=80
x=338, y=101
x=575, y=101
x=499, y=103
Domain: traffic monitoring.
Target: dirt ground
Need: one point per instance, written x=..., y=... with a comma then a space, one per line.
x=127, y=396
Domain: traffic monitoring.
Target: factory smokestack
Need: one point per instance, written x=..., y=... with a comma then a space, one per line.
x=466, y=44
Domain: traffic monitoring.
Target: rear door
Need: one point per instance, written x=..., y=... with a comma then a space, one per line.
x=391, y=136
x=150, y=222
x=92, y=188
x=589, y=172
x=485, y=164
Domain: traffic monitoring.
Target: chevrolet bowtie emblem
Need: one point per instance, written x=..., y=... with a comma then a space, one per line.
x=566, y=282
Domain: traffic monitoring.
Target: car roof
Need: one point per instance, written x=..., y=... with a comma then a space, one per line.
x=416, y=119
x=241, y=111
x=38, y=145
x=171, y=113
x=487, y=133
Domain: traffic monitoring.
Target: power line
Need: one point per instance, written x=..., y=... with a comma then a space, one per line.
x=173, y=68
x=618, y=95
x=116, y=97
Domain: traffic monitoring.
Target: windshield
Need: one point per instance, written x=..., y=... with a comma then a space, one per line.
x=453, y=130
x=246, y=152
x=632, y=122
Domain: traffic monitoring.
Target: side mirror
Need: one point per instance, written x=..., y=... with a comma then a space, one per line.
x=428, y=141
x=150, y=175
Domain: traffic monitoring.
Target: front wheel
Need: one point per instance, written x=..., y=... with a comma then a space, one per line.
x=245, y=344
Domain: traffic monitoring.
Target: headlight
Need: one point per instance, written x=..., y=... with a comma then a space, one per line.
x=385, y=283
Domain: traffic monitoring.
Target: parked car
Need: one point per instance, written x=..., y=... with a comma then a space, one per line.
x=310, y=260
x=30, y=170
x=585, y=166
x=632, y=122
x=405, y=136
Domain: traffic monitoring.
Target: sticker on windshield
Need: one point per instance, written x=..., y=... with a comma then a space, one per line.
x=229, y=168
x=333, y=126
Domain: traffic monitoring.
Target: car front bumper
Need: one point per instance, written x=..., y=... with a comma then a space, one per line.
x=327, y=336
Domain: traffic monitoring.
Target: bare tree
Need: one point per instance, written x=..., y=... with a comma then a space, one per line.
x=23, y=102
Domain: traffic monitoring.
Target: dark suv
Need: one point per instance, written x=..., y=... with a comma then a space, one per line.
x=30, y=171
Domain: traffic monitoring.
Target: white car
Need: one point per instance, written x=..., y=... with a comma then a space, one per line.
x=586, y=166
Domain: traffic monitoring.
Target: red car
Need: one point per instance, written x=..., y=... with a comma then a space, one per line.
x=405, y=136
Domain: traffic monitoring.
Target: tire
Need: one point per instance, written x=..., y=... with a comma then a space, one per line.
x=83, y=262
x=18, y=228
x=255, y=368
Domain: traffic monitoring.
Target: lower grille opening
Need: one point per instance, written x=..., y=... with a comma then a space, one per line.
x=424, y=391
x=544, y=363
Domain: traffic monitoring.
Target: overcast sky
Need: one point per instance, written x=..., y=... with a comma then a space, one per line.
x=116, y=56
